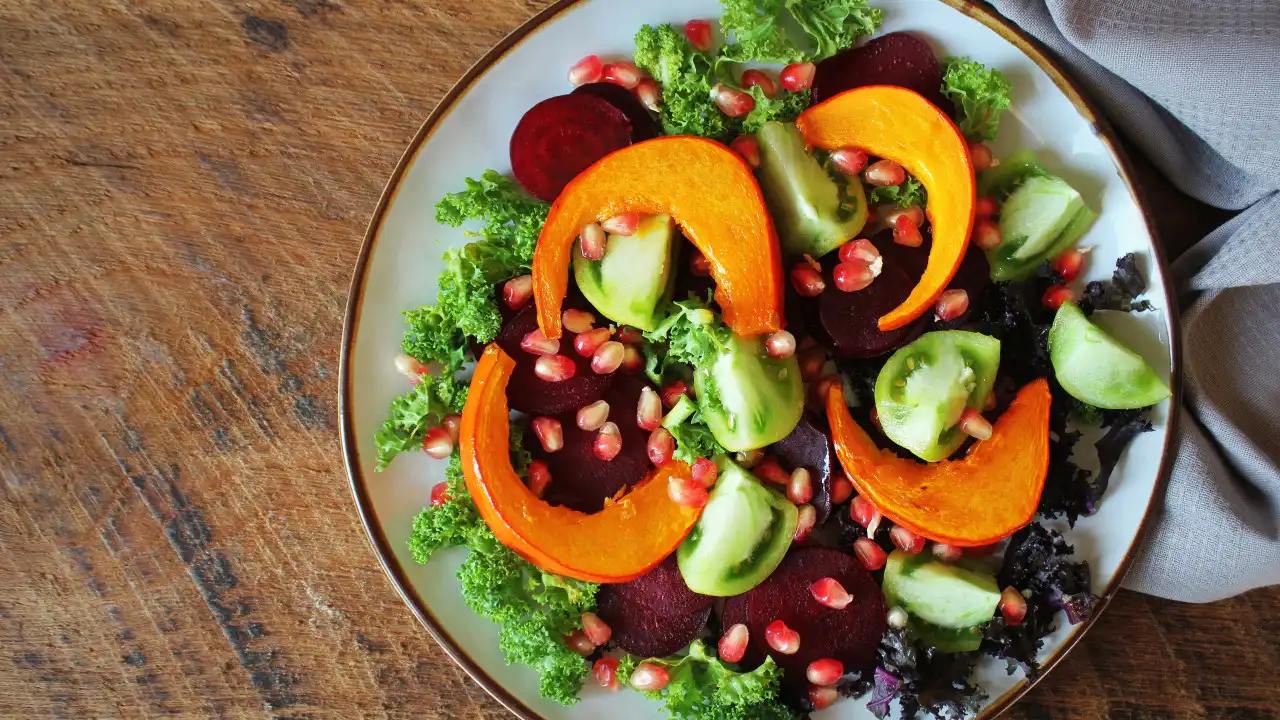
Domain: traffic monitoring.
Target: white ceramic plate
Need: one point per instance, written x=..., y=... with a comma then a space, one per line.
x=469, y=132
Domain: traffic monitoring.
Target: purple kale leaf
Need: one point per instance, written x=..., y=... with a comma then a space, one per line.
x=923, y=680
x=1121, y=292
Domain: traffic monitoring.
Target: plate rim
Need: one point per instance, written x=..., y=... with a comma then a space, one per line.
x=368, y=516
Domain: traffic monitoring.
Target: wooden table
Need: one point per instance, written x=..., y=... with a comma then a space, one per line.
x=183, y=189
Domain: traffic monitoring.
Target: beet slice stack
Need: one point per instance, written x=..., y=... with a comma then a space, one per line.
x=656, y=614
x=643, y=126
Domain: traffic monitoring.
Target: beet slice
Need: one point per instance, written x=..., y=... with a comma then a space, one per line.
x=663, y=591
x=641, y=631
x=528, y=393
x=846, y=322
x=562, y=136
x=973, y=276
x=808, y=446
x=643, y=126
x=898, y=59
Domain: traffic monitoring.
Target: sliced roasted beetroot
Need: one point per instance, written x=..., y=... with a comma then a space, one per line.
x=641, y=631
x=562, y=136
x=895, y=59
x=663, y=591
x=528, y=393
x=808, y=446
x=847, y=322
x=579, y=479
x=735, y=611
x=973, y=276
x=643, y=126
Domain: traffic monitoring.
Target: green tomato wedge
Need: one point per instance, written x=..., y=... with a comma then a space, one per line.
x=634, y=281
x=749, y=399
x=1097, y=369
x=944, y=595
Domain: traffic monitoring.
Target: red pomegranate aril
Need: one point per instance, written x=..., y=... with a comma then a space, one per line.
x=1013, y=606
x=699, y=265
x=824, y=671
x=800, y=486
x=807, y=518
x=747, y=148
x=797, y=77
x=632, y=361
x=554, y=368
x=452, y=423
x=782, y=638
x=981, y=157
x=770, y=471
x=587, y=70
x=947, y=553
x=1056, y=295
x=580, y=643
x=648, y=677
x=608, y=357
x=733, y=644
x=811, y=362
x=869, y=554
x=686, y=492
x=596, y=630
x=517, y=291
x=672, y=392
x=437, y=443
x=974, y=425
x=705, y=472
x=731, y=101
x=883, y=173
x=605, y=671
x=622, y=224
x=608, y=442
x=699, y=34
x=985, y=206
x=822, y=697
x=539, y=478
x=649, y=409
x=648, y=92
x=861, y=251
x=906, y=541
x=577, y=321
x=849, y=161
x=628, y=335
x=852, y=276
x=408, y=366
x=986, y=234
x=781, y=344
x=588, y=342
x=440, y=493
x=1069, y=264
x=550, y=433
x=592, y=417
x=807, y=281
x=863, y=512
x=622, y=73
x=662, y=445
x=537, y=343
x=759, y=78
x=592, y=242
x=828, y=591
x=907, y=233
x=912, y=211
x=952, y=304
x=841, y=489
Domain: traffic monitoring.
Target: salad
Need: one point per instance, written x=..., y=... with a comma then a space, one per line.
x=761, y=372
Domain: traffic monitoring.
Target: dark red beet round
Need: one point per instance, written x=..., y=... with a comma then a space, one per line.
x=562, y=136
x=846, y=322
x=809, y=447
x=641, y=631
x=895, y=59
x=663, y=591
x=734, y=612
x=973, y=276
x=643, y=126
x=528, y=393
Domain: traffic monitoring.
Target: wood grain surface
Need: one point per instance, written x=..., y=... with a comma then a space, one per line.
x=183, y=189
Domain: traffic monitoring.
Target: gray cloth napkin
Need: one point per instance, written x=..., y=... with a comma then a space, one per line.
x=1196, y=85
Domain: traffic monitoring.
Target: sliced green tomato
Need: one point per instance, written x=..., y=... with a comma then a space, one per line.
x=749, y=399
x=744, y=531
x=924, y=388
x=804, y=200
x=948, y=640
x=634, y=281
x=947, y=596
x=1000, y=180
x=1097, y=369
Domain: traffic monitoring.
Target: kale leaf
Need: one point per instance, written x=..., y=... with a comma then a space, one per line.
x=923, y=679
x=910, y=192
x=686, y=77
x=412, y=414
x=758, y=31
x=980, y=94
x=1121, y=292
x=701, y=687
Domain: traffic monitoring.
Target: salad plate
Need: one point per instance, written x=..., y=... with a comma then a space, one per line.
x=1072, y=150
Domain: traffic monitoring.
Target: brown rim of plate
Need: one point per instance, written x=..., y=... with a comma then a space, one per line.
x=386, y=556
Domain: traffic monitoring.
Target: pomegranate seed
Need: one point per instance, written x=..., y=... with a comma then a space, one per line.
x=437, y=443
x=759, y=78
x=408, y=366
x=797, y=77
x=984, y=206
x=608, y=357
x=769, y=470
x=1069, y=264
x=952, y=304
x=648, y=92
x=549, y=432
x=649, y=409
x=841, y=489
x=986, y=234
x=824, y=671
x=622, y=73
x=947, y=553
x=579, y=643
x=733, y=645
x=539, y=478
x=592, y=417
x=705, y=472
x=781, y=344
x=852, y=276
x=869, y=553
x=1013, y=606
x=811, y=362
x=906, y=541
x=862, y=511
x=861, y=251
x=622, y=224
x=596, y=630
x=748, y=459
x=605, y=671
x=452, y=423
x=628, y=335
x=828, y=591
x=577, y=321
x=608, y=442
x=592, y=242
x=747, y=148
x=632, y=361
x=811, y=262
x=537, y=343
x=980, y=156
x=800, y=486
x=907, y=233
x=1056, y=295
x=648, y=677
x=440, y=493
x=662, y=445
x=672, y=392
x=587, y=70
x=974, y=425
x=699, y=34
x=588, y=342
x=884, y=173
x=808, y=517
x=686, y=492
x=807, y=281
x=732, y=102
x=699, y=265
x=822, y=697
x=897, y=618
x=554, y=368
x=849, y=161
x=912, y=211
x=782, y=638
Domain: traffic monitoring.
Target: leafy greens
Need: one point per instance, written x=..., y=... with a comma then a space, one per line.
x=415, y=412
x=980, y=93
x=704, y=688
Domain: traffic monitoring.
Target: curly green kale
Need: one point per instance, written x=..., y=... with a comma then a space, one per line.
x=909, y=193
x=758, y=28
x=704, y=688
x=687, y=77
x=981, y=94
x=693, y=438
x=412, y=414
x=786, y=107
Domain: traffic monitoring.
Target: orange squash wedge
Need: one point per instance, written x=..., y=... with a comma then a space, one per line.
x=713, y=196
x=977, y=500
x=899, y=125
x=623, y=541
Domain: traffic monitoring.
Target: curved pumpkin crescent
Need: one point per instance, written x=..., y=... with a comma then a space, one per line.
x=899, y=125
x=977, y=500
x=623, y=541
x=712, y=195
